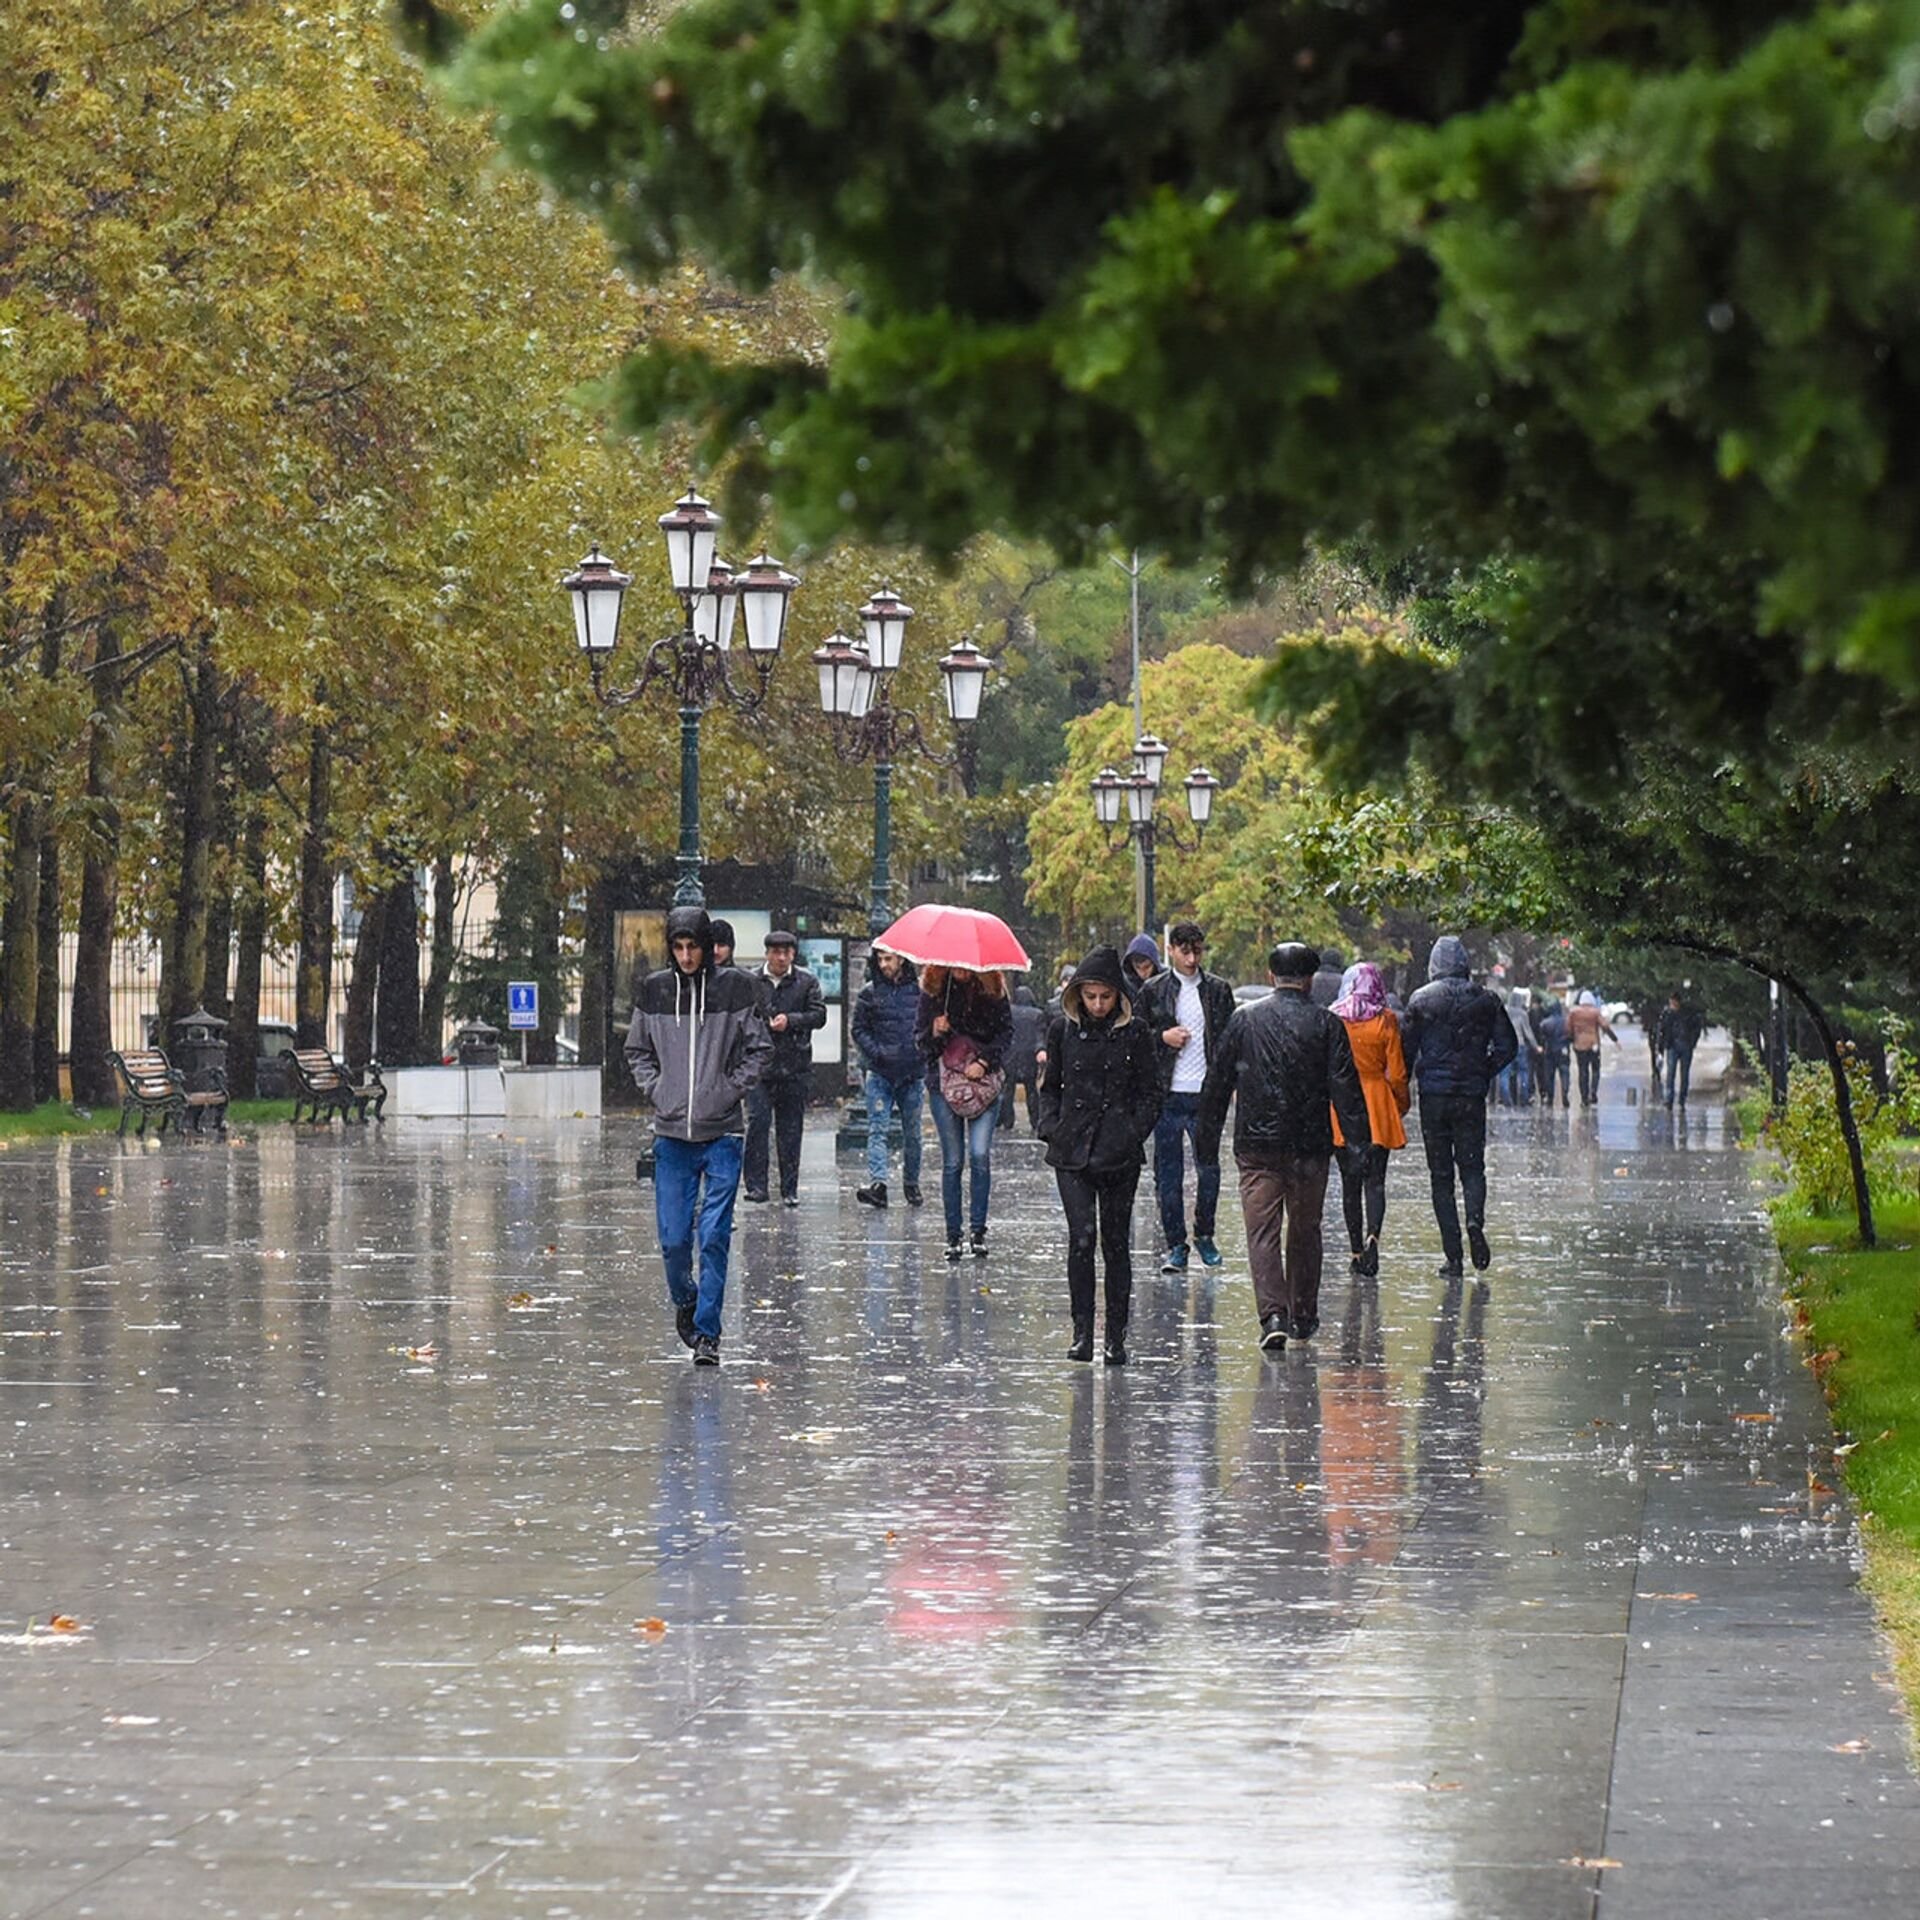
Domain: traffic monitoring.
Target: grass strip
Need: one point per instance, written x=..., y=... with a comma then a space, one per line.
x=1860, y=1312
x=56, y=1117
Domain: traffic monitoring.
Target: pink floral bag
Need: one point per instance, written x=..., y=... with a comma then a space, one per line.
x=968, y=1098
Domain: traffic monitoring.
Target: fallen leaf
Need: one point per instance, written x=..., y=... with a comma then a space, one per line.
x=428, y=1352
x=1669, y=1596
x=63, y=1623
x=1756, y=1419
x=1852, y=1746
x=99, y=1189
x=1815, y=1485
x=654, y=1628
x=1589, y=1860
x=553, y=1249
x=891, y=1535
x=518, y=1302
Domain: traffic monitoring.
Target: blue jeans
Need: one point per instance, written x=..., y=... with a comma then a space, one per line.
x=884, y=1099
x=970, y=1141
x=1516, y=1081
x=1679, y=1072
x=1179, y=1117
x=680, y=1169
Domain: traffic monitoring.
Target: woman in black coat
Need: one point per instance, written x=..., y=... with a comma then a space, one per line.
x=1099, y=1100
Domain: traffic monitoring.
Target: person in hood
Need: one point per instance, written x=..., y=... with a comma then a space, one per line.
x=896, y=1075
x=1291, y=1066
x=1585, y=1024
x=1024, y=1059
x=1458, y=1037
x=795, y=1010
x=1516, y=1077
x=1099, y=1100
x=964, y=1030
x=723, y=940
x=1143, y=962
x=697, y=1043
x=1373, y=1032
x=1554, y=1070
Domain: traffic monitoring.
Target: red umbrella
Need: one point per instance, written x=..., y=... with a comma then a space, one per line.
x=936, y=936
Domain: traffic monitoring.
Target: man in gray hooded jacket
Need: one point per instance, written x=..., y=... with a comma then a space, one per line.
x=697, y=1043
x=1457, y=1038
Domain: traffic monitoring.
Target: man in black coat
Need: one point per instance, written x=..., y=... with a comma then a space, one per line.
x=1679, y=1033
x=1292, y=1068
x=1023, y=1062
x=1098, y=1101
x=790, y=998
x=1457, y=1038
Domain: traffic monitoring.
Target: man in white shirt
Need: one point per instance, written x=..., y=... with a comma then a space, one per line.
x=1191, y=1008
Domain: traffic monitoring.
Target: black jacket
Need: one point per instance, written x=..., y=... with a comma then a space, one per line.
x=1161, y=1004
x=1457, y=1036
x=1290, y=1063
x=1679, y=1029
x=1100, y=1094
x=1029, y=1036
x=984, y=1018
x=883, y=1018
x=798, y=996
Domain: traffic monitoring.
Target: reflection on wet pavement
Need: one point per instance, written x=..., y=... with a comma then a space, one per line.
x=413, y=1570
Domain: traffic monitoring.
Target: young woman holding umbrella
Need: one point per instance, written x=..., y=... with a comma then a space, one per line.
x=965, y=1031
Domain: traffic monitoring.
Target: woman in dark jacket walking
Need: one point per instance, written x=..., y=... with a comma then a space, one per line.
x=1099, y=1100
x=964, y=1031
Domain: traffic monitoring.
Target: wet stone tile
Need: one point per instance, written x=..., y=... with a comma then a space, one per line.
x=415, y=1571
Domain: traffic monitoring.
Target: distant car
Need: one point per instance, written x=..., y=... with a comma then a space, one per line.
x=1617, y=1011
x=1253, y=990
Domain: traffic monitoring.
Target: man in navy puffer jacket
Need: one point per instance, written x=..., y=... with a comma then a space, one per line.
x=883, y=1030
x=1457, y=1038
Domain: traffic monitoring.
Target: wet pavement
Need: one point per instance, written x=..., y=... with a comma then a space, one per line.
x=412, y=1570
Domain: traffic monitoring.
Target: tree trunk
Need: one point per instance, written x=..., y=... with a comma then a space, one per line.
x=314, y=980
x=91, y=1034
x=213, y=983
x=397, y=1028
x=187, y=950
x=243, y=1037
x=433, y=1005
x=596, y=969
x=46, y=1001
x=19, y=955
x=358, y=1041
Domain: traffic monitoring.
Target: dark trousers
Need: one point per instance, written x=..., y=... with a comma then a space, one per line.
x=1554, y=1073
x=779, y=1107
x=1031, y=1081
x=1282, y=1201
x=1453, y=1129
x=1589, y=1065
x=1179, y=1121
x=1363, y=1182
x=1099, y=1205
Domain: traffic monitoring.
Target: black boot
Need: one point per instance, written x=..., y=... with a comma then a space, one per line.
x=1477, y=1245
x=1368, y=1265
x=1082, y=1348
x=1116, y=1347
x=912, y=1192
x=873, y=1196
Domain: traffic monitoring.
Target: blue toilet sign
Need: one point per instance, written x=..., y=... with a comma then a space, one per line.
x=523, y=1006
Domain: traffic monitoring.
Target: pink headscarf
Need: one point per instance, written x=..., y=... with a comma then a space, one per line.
x=1363, y=994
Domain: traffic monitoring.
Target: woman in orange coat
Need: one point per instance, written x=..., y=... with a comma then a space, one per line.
x=1373, y=1031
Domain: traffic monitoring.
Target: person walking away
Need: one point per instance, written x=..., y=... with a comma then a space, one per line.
x=1024, y=1057
x=1143, y=964
x=1188, y=1008
x=1458, y=1038
x=1554, y=1068
x=1291, y=1066
x=1373, y=1032
x=697, y=1043
x=883, y=1024
x=964, y=1030
x=1680, y=1027
x=1585, y=1024
x=791, y=1000
x=1328, y=978
x=1516, y=1077
x=1099, y=1100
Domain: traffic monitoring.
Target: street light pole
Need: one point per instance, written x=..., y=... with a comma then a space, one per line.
x=687, y=890
x=1134, y=795
x=879, y=897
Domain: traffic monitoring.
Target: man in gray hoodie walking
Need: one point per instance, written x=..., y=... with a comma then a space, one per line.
x=698, y=1041
x=1457, y=1038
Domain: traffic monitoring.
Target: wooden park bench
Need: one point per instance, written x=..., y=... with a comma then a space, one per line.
x=320, y=1081
x=153, y=1084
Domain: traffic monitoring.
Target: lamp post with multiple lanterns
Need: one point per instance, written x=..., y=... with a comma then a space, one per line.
x=1131, y=797
x=693, y=662
x=855, y=682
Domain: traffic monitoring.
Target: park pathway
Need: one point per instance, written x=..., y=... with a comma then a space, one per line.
x=413, y=1571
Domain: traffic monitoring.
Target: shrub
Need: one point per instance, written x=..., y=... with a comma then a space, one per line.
x=1807, y=1134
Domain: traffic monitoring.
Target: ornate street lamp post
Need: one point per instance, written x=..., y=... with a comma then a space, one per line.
x=855, y=695
x=1132, y=796
x=692, y=662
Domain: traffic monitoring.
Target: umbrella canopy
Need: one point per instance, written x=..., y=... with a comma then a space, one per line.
x=936, y=936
